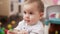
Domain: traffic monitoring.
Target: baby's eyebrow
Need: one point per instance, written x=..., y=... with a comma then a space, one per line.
x=29, y=11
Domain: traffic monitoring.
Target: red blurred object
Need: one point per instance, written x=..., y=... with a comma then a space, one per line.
x=6, y=31
x=53, y=28
x=55, y=2
x=52, y=15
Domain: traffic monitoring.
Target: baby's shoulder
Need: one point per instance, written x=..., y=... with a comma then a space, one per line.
x=39, y=25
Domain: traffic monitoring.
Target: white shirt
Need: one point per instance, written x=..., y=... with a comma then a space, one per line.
x=35, y=29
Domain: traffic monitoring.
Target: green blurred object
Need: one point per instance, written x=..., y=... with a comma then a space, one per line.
x=3, y=28
x=2, y=31
x=11, y=29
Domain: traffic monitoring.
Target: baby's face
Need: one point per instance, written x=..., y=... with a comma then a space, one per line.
x=31, y=14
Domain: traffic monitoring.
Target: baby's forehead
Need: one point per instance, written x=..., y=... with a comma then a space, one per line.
x=32, y=6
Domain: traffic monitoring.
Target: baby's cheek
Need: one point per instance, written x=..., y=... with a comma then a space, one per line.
x=32, y=18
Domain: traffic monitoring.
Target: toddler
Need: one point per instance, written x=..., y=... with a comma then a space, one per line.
x=32, y=13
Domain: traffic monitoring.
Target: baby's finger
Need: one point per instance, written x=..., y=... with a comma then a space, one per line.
x=11, y=32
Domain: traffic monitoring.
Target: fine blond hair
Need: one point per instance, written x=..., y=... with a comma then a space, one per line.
x=39, y=3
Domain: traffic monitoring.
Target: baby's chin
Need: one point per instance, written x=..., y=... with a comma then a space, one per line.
x=30, y=23
x=27, y=21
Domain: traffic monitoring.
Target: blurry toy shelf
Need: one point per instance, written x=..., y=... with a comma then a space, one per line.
x=54, y=21
x=53, y=14
x=10, y=13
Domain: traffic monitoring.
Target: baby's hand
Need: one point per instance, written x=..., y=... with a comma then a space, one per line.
x=12, y=32
x=17, y=32
x=23, y=32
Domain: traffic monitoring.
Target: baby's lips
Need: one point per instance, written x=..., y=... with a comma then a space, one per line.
x=27, y=20
x=25, y=32
x=15, y=32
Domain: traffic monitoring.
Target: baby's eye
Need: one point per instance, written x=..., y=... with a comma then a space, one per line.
x=31, y=13
x=24, y=12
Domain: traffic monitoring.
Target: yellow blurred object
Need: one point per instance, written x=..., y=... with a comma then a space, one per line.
x=9, y=26
x=0, y=23
x=56, y=32
x=13, y=22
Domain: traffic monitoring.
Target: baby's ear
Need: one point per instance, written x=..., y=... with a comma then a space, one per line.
x=41, y=14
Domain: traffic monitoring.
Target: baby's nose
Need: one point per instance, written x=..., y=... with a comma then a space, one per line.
x=27, y=16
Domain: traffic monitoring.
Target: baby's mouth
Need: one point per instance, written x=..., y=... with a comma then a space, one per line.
x=27, y=20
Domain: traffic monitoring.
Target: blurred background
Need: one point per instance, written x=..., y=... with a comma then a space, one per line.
x=11, y=12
